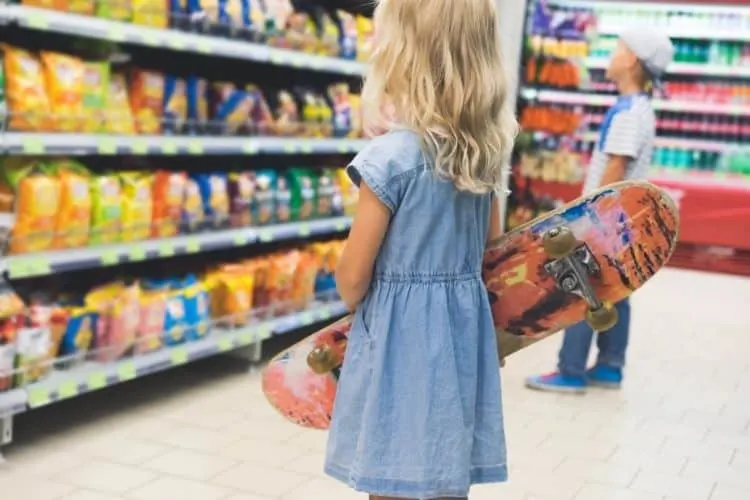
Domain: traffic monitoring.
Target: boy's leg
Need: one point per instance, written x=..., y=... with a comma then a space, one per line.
x=571, y=374
x=373, y=497
x=612, y=345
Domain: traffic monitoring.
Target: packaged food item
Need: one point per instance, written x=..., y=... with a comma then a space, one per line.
x=365, y=38
x=303, y=284
x=28, y=105
x=277, y=13
x=95, y=85
x=260, y=117
x=119, y=114
x=310, y=111
x=175, y=105
x=355, y=118
x=338, y=94
x=259, y=268
x=325, y=282
x=280, y=280
x=61, y=5
x=328, y=34
x=241, y=187
x=153, y=310
x=265, y=197
x=146, y=100
x=137, y=206
x=118, y=308
x=197, y=317
x=301, y=32
x=118, y=10
x=167, y=193
x=302, y=193
x=7, y=359
x=37, y=195
x=215, y=198
x=285, y=113
x=349, y=191
x=106, y=209
x=193, y=216
x=174, y=319
x=78, y=333
x=64, y=78
x=231, y=109
x=348, y=40
x=283, y=200
x=152, y=13
x=197, y=104
x=233, y=299
x=325, y=116
x=33, y=345
x=73, y=220
x=328, y=200
x=82, y=7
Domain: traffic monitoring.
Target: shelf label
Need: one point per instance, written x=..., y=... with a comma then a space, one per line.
x=224, y=344
x=203, y=46
x=290, y=149
x=325, y=313
x=304, y=230
x=343, y=149
x=264, y=331
x=169, y=147
x=139, y=147
x=306, y=148
x=250, y=148
x=341, y=226
x=116, y=33
x=150, y=39
x=266, y=236
x=195, y=147
x=166, y=250
x=179, y=356
x=39, y=397
x=28, y=267
x=306, y=319
x=110, y=258
x=126, y=371
x=192, y=246
x=68, y=389
x=97, y=381
x=245, y=337
x=37, y=21
x=176, y=43
x=33, y=146
x=241, y=240
x=137, y=254
x=107, y=147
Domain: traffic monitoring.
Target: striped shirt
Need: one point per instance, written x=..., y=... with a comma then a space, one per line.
x=628, y=129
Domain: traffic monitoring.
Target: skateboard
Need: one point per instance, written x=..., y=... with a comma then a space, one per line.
x=570, y=265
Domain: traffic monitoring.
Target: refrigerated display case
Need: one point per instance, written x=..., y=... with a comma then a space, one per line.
x=702, y=155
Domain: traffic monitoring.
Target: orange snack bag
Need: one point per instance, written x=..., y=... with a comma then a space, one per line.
x=28, y=105
x=83, y=7
x=280, y=280
x=303, y=283
x=232, y=298
x=73, y=220
x=47, y=4
x=150, y=13
x=119, y=116
x=64, y=79
x=167, y=192
x=37, y=204
x=146, y=96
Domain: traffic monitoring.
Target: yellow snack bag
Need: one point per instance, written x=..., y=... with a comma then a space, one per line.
x=349, y=191
x=365, y=32
x=64, y=79
x=150, y=13
x=137, y=206
x=146, y=100
x=37, y=203
x=119, y=115
x=28, y=105
x=83, y=7
x=119, y=10
x=73, y=220
x=95, y=86
x=106, y=209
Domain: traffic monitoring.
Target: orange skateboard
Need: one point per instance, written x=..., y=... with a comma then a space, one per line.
x=570, y=265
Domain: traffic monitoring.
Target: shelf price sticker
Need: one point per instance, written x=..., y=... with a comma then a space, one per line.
x=192, y=246
x=264, y=331
x=169, y=148
x=97, y=381
x=116, y=33
x=266, y=236
x=176, y=43
x=179, y=356
x=343, y=148
x=340, y=226
x=304, y=230
x=107, y=147
x=149, y=38
x=67, y=389
x=203, y=46
x=290, y=149
x=195, y=147
x=137, y=254
x=241, y=240
x=26, y=268
x=139, y=147
x=110, y=258
x=126, y=371
x=224, y=344
x=37, y=21
x=245, y=337
x=324, y=313
x=33, y=146
x=166, y=250
x=307, y=319
x=250, y=148
x=39, y=396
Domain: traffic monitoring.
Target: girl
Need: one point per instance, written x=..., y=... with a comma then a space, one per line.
x=418, y=412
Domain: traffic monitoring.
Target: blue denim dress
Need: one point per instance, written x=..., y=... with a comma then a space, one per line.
x=418, y=412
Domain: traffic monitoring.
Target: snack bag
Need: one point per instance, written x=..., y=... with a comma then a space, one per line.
x=174, y=319
x=64, y=79
x=325, y=195
x=78, y=333
x=338, y=94
x=137, y=206
x=214, y=195
x=303, y=283
x=325, y=116
x=285, y=113
x=277, y=13
x=168, y=189
x=349, y=191
x=265, y=197
x=283, y=201
x=355, y=118
x=33, y=344
x=310, y=111
x=95, y=85
x=175, y=105
x=280, y=280
x=82, y=7
x=328, y=34
x=118, y=10
x=61, y=5
x=119, y=115
x=118, y=306
x=152, y=13
x=73, y=220
x=231, y=109
x=348, y=39
x=302, y=193
x=153, y=310
x=365, y=37
x=234, y=296
x=260, y=118
x=196, y=308
x=197, y=104
x=241, y=189
x=37, y=205
x=26, y=96
x=146, y=100
x=193, y=216
x=7, y=359
x=259, y=268
x=106, y=209
x=301, y=32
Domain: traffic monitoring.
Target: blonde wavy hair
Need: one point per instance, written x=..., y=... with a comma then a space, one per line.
x=436, y=68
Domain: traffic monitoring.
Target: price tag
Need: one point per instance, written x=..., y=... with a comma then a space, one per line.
x=343, y=149
x=37, y=21
x=250, y=148
x=203, y=46
x=97, y=381
x=18, y=269
x=39, y=397
x=277, y=59
x=304, y=230
x=107, y=147
x=137, y=254
x=307, y=319
x=176, y=43
x=126, y=371
x=169, y=148
x=266, y=236
x=38, y=267
x=325, y=313
x=245, y=337
x=110, y=258
x=116, y=33
x=166, y=250
x=67, y=389
x=195, y=147
x=306, y=148
x=150, y=39
x=139, y=148
x=224, y=344
x=179, y=356
x=290, y=149
x=33, y=146
x=192, y=246
x=241, y=240
x=341, y=226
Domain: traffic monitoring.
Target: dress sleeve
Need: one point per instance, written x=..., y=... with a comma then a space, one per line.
x=380, y=175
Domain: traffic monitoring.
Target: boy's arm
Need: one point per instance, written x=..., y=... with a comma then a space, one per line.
x=617, y=166
x=621, y=144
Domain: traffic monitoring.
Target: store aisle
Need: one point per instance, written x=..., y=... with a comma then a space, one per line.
x=680, y=429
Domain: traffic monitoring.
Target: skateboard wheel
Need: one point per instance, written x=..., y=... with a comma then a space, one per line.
x=559, y=242
x=322, y=360
x=602, y=319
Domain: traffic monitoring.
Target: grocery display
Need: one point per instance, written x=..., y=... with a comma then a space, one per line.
x=702, y=151
x=171, y=183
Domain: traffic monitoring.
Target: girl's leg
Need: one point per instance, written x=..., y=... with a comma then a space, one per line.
x=373, y=497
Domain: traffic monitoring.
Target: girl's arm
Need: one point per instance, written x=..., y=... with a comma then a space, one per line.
x=354, y=270
x=496, y=221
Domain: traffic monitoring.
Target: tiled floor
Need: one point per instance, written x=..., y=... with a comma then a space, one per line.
x=678, y=431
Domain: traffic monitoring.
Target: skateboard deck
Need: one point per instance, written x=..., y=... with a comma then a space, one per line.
x=570, y=265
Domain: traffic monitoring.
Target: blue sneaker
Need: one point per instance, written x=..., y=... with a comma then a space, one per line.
x=605, y=376
x=554, y=382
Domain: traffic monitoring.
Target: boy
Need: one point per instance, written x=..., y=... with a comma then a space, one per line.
x=623, y=152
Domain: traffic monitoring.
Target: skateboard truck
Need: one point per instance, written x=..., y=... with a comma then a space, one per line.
x=571, y=267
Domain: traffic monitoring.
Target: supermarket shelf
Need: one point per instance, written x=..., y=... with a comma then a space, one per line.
x=677, y=143
x=584, y=99
x=12, y=402
x=102, y=29
x=685, y=68
x=92, y=376
x=108, y=145
x=46, y=263
x=689, y=33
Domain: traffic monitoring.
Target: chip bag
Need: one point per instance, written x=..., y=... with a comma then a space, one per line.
x=175, y=105
x=213, y=189
x=365, y=38
x=167, y=195
x=153, y=310
x=82, y=7
x=64, y=79
x=28, y=106
x=152, y=13
x=137, y=206
x=119, y=114
x=106, y=209
x=241, y=187
x=302, y=193
x=61, y=5
x=95, y=86
x=118, y=10
x=264, y=210
x=73, y=220
x=37, y=205
x=193, y=216
x=146, y=100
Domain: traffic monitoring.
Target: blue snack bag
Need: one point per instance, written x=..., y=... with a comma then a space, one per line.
x=197, y=321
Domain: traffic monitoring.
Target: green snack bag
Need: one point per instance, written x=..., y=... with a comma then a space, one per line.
x=95, y=81
x=302, y=188
x=106, y=209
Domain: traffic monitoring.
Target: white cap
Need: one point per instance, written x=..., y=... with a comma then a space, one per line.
x=653, y=49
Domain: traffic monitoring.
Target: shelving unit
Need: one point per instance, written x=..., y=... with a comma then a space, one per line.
x=72, y=376
x=702, y=154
